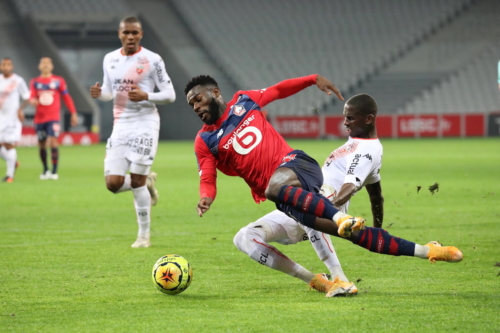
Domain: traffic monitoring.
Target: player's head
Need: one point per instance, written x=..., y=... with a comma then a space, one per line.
x=203, y=95
x=360, y=112
x=6, y=67
x=45, y=66
x=130, y=34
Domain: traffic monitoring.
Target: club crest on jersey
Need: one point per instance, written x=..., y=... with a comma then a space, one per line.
x=139, y=69
x=53, y=85
x=288, y=158
x=239, y=110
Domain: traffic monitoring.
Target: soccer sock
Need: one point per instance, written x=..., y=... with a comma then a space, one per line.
x=126, y=185
x=307, y=202
x=323, y=246
x=55, y=159
x=421, y=251
x=380, y=241
x=251, y=241
x=142, y=203
x=3, y=152
x=43, y=157
x=11, y=162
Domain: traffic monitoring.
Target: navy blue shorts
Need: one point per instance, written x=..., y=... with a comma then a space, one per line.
x=310, y=176
x=50, y=128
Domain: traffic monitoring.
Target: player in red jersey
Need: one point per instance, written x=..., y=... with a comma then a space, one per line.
x=237, y=140
x=46, y=92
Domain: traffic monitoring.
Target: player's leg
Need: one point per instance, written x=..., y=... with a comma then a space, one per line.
x=53, y=131
x=11, y=160
x=142, y=203
x=254, y=240
x=41, y=133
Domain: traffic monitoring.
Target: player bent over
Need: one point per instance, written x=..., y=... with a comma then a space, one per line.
x=12, y=88
x=237, y=140
x=130, y=76
x=46, y=92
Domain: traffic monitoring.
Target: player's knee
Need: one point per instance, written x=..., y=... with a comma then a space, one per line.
x=239, y=238
x=113, y=185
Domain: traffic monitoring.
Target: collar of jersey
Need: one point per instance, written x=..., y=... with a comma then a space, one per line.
x=129, y=55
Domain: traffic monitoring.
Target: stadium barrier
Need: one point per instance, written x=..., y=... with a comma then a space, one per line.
x=393, y=126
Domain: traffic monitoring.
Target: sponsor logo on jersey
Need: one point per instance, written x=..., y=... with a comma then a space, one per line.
x=159, y=71
x=340, y=152
x=288, y=158
x=124, y=81
x=114, y=60
x=239, y=110
x=237, y=133
x=368, y=156
x=354, y=163
x=139, y=69
x=220, y=133
x=123, y=84
x=53, y=85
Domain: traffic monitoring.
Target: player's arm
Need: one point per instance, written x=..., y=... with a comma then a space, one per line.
x=25, y=94
x=166, y=92
x=290, y=87
x=208, y=176
x=377, y=201
x=33, y=93
x=103, y=93
x=68, y=101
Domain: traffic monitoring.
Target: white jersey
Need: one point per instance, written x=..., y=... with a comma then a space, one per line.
x=358, y=162
x=12, y=89
x=144, y=69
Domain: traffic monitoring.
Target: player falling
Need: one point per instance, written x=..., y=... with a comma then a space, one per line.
x=238, y=141
x=130, y=76
x=46, y=93
x=12, y=89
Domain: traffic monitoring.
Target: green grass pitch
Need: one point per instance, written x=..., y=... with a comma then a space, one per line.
x=67, y=265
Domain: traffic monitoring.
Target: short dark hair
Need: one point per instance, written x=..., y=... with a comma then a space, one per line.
x=131, y=19
x=6, y=58
x=363, y=103
x=200, y=80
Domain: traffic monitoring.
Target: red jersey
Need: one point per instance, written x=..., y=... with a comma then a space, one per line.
x=48, y=92
x=242, y=142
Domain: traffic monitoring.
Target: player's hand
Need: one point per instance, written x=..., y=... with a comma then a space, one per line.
x=95, y=90
x=34, y=101
x=325, y=85
x=74, y=119
x=137, y=95
x=204, y=205
x=20, y=115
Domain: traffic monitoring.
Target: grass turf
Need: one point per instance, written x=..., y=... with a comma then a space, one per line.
x=67, y=265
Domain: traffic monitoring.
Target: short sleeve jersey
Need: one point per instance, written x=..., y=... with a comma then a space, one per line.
x=144, y=69
x=358, y=161
x=48, y=92
x=12, y=89
x=242, y=143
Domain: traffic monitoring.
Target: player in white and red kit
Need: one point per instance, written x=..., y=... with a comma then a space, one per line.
x=46, y=92
x=12, y=89
x=238, y=141
x=130, y=76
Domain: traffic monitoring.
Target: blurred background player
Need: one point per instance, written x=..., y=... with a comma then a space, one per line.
x=130, y=76
x=46, y=92
x=349, y=168
x=12, y=89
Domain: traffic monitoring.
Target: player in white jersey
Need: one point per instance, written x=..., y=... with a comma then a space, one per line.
x=130, y=76
x=12, y=89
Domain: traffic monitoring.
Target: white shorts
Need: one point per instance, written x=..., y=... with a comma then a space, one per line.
x=11, y=132
x=283, y=229
x=132, y=147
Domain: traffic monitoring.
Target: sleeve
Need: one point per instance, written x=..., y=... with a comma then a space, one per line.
x=206, y=169
x=24, y=92
x=106, y=93
x=166, y=92
x=358, y=167
x=68, y=101
x=281, y=90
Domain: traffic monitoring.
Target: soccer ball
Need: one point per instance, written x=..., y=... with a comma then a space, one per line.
x=172, y=274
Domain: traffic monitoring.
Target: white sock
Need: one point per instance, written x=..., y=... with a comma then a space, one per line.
x=323, y=246
x=11, y=158
x=142, y=203
x=421, y=251
x=251, y=241
x=3, y=152
x=126, y=185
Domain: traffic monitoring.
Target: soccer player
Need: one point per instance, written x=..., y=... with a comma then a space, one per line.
x=46, y=92
x=238, y=141
x=12, y=88
x=348, y=169
x=130, y=76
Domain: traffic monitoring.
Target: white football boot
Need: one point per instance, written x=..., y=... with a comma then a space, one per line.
x=142, y=242
x=46, y=175
x=54, y=176
x=150, y=183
